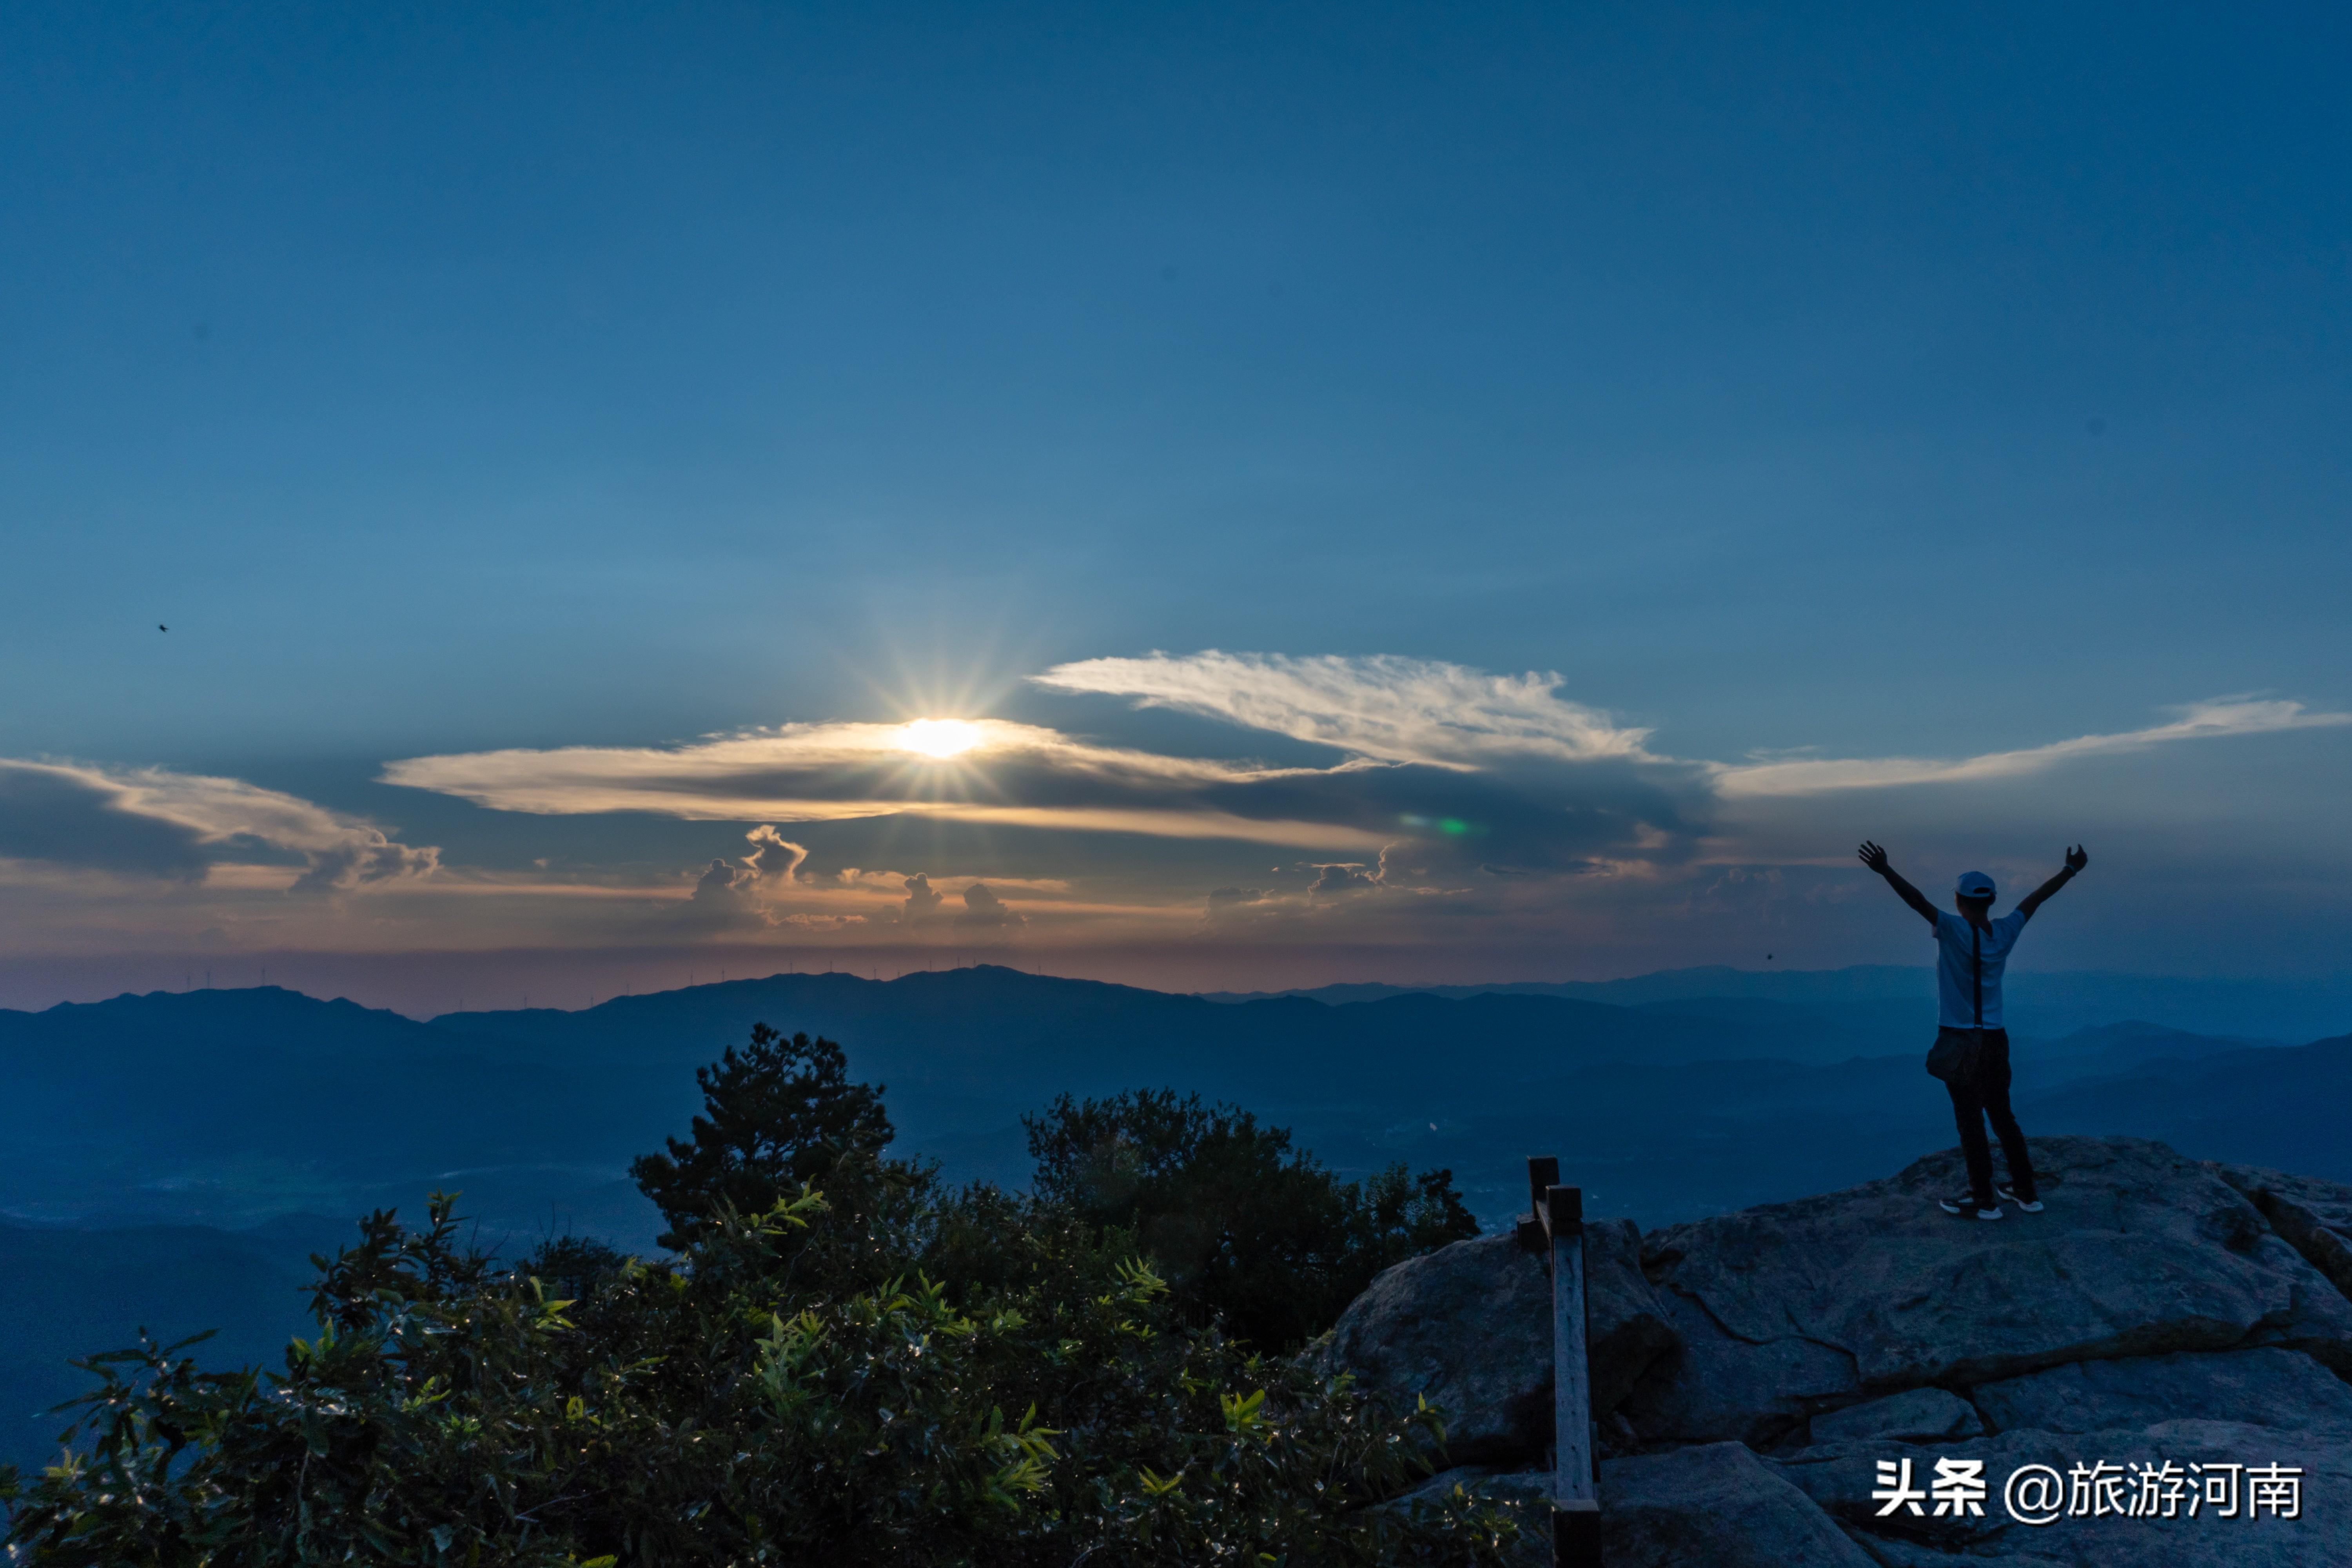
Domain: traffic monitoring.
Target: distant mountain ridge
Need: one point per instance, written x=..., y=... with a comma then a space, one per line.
x=1856, y=982
x=230, y=1107
x=2050, y=1003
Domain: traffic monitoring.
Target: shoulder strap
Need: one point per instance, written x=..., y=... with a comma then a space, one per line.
x=1975, y=958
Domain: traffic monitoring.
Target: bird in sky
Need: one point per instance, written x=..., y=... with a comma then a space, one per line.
x=161, y=628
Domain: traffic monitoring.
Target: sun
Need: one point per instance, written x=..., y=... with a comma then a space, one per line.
x=939, y=737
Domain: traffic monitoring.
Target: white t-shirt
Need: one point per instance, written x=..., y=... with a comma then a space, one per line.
x=1955, y=991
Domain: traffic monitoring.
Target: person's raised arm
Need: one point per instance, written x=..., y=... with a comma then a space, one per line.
x=1876, y=858
x=2076, y=858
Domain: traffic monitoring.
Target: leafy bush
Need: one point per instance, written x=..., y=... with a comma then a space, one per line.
x=905, y=1374
x=1248, y=1229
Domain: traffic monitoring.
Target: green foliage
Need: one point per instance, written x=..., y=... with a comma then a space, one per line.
x=1250, y=1230
x=731, y=1410
x=907, y=1374
x=780, y=1113
x=573, y=1265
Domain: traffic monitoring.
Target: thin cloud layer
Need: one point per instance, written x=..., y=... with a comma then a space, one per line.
x=150, y=822
x=1461, y=810
x=2201, y=721
x=1492, y=776
x=1386, y=707
x=999, y=773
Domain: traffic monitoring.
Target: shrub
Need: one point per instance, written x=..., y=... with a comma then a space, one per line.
x=724, y=1411
x=913, y=1375
x=1249, y=1230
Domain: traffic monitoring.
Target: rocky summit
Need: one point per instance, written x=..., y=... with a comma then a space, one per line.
x=2153, y=1370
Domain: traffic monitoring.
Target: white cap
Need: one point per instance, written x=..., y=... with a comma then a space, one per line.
x=1973, y=885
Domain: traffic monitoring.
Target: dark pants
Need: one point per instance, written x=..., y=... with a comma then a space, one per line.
x=1982, y=1097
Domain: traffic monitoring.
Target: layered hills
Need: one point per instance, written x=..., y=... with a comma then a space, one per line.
x=198, y=1145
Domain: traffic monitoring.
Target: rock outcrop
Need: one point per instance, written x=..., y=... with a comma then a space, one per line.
x=1716, y=1504
x=2313, y=1217
x=1469, y=1327
x=1753, y=1371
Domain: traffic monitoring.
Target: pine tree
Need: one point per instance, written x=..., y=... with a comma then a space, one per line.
x=779, y=1114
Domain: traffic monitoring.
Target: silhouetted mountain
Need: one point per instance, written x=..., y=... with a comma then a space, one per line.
x=2050, y=1003
x=231, y=1107
x=1857, y=983
x=2288, y=1106
x=192, y=1073
x=227, y=1107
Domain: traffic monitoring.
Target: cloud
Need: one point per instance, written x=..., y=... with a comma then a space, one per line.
x=1460, y=810
x=776, y=859
x=70, y=817
x=1342, y=879
x=724, y=885
x=764, y=888
x=981, y=907
x=1228, y=901
x=366, y=855
x=1527, y=797
x=823, y=922
x=152, y=822
x=1459, y=770
x=1384, y=707
x=1009, y=775
x=738, y=892
x=922, y=900
x=726, y=896
x=2199, y=720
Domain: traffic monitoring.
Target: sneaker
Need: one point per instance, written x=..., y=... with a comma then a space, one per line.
x=1964, y=1205
x=2025, y=1206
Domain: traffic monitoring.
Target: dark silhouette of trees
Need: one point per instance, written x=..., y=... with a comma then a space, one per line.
x=778, y=1113
x=847, y=1362
x=1246, y=1228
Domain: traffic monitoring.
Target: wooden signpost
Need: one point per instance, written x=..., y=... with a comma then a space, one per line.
x=1556, y=1230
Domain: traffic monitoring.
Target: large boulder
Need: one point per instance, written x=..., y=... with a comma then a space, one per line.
x=2159, y=1312
x=1840, y=1478
x=1718, y=1505
x=1792, y=1310
x=2264, y=1387
x=2313, y=1216
x=1468, y=1328
x=1914, y=1416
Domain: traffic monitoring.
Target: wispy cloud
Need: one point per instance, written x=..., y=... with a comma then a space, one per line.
x=1459, y=811
x=152, y=822
x=1387, y=708
x=1495, y=791
x=1002, y=774
x=2200, y=721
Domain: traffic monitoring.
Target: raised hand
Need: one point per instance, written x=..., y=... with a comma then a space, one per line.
x=1876, y=858
x=2076, y=858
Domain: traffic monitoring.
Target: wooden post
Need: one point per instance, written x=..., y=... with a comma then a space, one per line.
x=1543, y=1176
x=1576, y=1505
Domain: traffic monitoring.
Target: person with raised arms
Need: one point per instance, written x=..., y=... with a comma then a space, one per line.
x=1971, y=1049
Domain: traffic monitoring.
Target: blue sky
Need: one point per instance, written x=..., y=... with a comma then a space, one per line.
x=457, y=380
